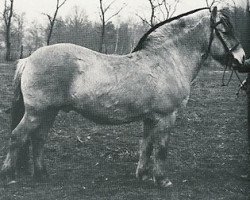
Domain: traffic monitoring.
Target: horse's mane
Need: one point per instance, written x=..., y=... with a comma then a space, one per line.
x=141, y=42
x=226, y=19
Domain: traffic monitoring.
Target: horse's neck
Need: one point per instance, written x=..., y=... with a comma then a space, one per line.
x=191, y=47
x=186, y=50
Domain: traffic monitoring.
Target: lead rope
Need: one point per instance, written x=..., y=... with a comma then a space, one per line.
x=223, y=77
x=242, y=83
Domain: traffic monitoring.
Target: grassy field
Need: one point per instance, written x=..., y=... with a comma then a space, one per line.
x=207, y=158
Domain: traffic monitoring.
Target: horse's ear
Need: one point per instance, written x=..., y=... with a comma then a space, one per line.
x=214, y=13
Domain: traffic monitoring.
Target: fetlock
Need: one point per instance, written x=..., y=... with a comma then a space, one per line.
x=161, y=181
x=142, y=173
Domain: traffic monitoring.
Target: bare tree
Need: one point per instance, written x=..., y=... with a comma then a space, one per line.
x=7, y=17
x=34, y=37
x=160, y=11
x=52, y=19
x=210, y=4
x=248, y=6
x=106, y=18
x=17, y=33
x=213, y=3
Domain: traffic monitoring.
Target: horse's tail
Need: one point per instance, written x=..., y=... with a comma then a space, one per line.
x=17, y=107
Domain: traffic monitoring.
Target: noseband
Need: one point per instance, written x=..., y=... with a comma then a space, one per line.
x=229, y=56
x=214, y=29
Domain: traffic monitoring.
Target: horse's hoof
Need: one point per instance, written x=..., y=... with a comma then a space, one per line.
x=163, y=183
x=41, y=177
x=12, y=182
x=23, y=172
x=142, y=174
x=7, y=174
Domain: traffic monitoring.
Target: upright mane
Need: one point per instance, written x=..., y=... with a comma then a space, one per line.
x=144, y=38
x=226, y=19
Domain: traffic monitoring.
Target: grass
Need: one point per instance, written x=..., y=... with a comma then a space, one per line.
x=207, y=157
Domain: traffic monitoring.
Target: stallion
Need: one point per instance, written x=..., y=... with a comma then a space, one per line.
x=149, y=84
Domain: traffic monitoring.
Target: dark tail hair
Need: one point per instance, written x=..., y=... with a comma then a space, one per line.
x=17, y=107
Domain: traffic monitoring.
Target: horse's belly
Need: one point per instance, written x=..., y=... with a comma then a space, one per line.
x=113, y=107
x=110, y=115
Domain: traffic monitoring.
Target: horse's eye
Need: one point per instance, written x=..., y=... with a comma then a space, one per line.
x=225, y=33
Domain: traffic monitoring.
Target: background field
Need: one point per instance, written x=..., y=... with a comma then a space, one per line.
x=207, y=158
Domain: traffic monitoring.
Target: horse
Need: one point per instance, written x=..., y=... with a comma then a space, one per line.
x=149, y=84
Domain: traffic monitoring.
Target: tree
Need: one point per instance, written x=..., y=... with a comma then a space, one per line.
x=34, y=37
x=17, y=35
x=110, y=38
x=60, y=31
x=7, y=16
x=105, y=19
x=137, y=30
x=123, y=38
x=160, y=11
x=53, y=19
x=79, y=27
x=248, y=27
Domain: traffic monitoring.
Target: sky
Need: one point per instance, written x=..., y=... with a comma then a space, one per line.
x=34, y=8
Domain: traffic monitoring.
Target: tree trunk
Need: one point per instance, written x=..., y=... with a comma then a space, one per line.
x=8, y=13
x=117, y=40
x=102, y=36
x=49, y=35
x=8, y=48
x=21, y=52
x=248, y=97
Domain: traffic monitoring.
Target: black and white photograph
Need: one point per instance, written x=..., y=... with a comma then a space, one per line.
x=125, y=99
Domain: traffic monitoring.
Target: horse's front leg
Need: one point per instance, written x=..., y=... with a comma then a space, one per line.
x=145, y=151
x=161, y=140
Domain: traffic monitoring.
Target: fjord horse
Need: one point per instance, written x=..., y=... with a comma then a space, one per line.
x=150, y=85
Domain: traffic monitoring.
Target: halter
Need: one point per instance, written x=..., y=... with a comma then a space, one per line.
x=229, y=55
x=228, y=50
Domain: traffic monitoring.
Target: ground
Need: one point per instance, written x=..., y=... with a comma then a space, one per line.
x=207, y=157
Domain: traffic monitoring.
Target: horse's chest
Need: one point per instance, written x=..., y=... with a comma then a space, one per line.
x=172, y=92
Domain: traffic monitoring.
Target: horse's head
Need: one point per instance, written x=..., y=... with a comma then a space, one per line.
x=223, y=45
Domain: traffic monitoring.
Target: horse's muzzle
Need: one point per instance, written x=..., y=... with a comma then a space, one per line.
x=238, y=56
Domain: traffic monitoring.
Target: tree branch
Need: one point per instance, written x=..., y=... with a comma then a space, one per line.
x=53, y=19
x=115, y=13
x=143, y=19
x=111, y=3
x=61, y=3
x=49, y=17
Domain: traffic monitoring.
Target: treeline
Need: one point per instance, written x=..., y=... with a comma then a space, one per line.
x=78, y=29
x=75, y=28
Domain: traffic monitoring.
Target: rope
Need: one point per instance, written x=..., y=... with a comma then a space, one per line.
x=242, y=83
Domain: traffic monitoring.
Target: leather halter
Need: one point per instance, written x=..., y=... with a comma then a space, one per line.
x=229, y=57
x=228, y=50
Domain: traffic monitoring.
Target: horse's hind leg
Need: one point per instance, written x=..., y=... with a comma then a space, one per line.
x=146, y=147
x=31, y=122
x=23, y=157
x=38, y=140
x=17, y=113
x=18, y=144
